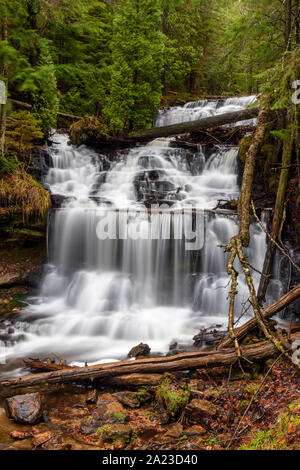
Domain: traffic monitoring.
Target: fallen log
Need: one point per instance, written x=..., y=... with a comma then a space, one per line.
x=250, y=325
x=28, y=106
x=184, y=361
x=191, y=126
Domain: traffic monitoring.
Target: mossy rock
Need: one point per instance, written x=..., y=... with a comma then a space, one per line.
x=171, y=396
x=115, y=434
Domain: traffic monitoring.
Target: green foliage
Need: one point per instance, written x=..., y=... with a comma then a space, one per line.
x=45, y=99
x=172, y=397
x=22, y=129
x=8, y=163
x=137, y=48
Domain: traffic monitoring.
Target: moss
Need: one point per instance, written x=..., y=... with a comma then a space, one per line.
x=144, y=394
x=243, y=405
x=251, y=389
x=244, y=145
x=121, y=417
x=171, y=396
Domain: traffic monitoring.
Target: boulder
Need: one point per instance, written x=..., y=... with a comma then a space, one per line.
x=128, y=399
x=108, y=411
x=141, y=350
x=25, y=409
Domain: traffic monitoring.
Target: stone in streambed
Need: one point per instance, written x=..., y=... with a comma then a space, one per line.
x=107, y=411
x=25, y=409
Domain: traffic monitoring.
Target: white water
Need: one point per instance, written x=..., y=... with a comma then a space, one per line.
x=101, y=297
x=204, y=108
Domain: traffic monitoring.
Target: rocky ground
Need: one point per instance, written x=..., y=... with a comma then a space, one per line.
x=211, y=410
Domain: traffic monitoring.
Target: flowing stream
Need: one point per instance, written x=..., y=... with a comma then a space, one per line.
x=109, y=286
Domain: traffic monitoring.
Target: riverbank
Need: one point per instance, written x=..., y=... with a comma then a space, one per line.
x=204, y=410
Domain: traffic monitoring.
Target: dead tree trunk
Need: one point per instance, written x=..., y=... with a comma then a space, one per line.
x=184, y=127
x=103, y=372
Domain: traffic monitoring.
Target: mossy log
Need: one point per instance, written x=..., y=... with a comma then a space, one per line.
x=103, y=372
x=269, y=312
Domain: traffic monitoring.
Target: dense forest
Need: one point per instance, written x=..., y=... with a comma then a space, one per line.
x=85, y=88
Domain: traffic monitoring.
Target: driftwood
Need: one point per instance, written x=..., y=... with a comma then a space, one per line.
x=103, y=372
x=283, y=302
x=28, y=106
x=191, y=126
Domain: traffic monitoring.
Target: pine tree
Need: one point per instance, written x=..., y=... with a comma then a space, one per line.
x=45, y=99
x=137, y=54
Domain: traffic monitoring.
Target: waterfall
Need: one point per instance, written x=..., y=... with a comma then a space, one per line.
x=119, y=274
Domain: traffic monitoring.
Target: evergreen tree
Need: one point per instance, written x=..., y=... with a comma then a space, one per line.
x=45, y=99
x=137, y=55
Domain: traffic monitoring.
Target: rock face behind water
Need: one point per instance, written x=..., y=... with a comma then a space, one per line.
x=25, y=409
x=141, y=350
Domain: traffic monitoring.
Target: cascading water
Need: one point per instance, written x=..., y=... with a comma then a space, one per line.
x=102, y=296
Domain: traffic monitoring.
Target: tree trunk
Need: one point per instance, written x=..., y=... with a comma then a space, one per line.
x=250, y=325
x=186, y=361
x=288, y=25
x=248, y=175
x=3, y=106
x=191, y=126
x=278, y=213
x=297, y=20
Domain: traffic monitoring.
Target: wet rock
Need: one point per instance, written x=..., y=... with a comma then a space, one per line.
x=25, y=409
x=13, y=279
x=40, y=163
x=20, y=435
x=35, y=277
x=116, y=433
x=128, y=399
x=108, y=411
x=198, y=409
x=142, y=350
x=174, y=430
